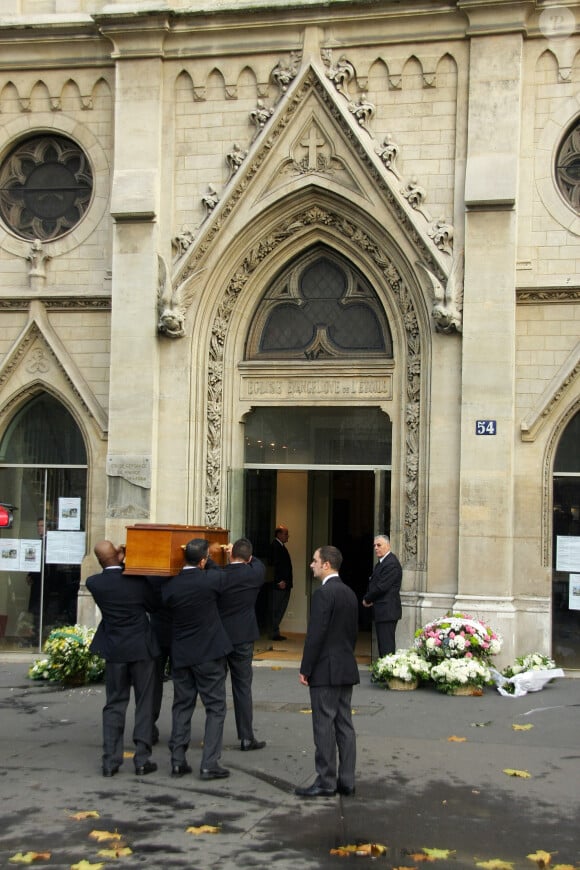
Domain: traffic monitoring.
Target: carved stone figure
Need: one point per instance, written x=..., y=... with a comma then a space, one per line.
x=341, y=74
x=414, y=193
x=38, y=258
x=260, y=115
x=210, y=199
x=448, y=300
x=442, y=234
x=286, y=70
x=172, y=303
x=363, y=111
x=388, y=152
x=181, y=242
x=235, y=158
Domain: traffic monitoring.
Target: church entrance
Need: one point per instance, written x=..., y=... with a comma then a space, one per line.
x=344, y=502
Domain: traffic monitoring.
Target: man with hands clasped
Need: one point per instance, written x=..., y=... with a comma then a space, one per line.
x=383, y=594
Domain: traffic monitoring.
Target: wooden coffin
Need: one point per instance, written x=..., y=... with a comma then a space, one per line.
x=158, y=549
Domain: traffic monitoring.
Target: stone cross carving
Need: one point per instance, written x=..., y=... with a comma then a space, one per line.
x=312, y=143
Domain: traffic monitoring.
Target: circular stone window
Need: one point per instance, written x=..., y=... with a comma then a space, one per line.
x=46, y=184
x=568, y=167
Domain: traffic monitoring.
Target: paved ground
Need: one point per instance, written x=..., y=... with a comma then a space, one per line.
x=416, y=789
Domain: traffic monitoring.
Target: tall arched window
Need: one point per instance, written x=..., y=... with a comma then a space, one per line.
x=43, y=477
x=566, y=584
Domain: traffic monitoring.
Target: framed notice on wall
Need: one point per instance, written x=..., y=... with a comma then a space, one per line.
x=568, y=553
x=574, y=592
x=65, y=548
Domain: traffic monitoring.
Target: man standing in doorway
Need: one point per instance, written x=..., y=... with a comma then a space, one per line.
x=126, y=641
x=329, y=669
x=282, y=585
x=383, y=594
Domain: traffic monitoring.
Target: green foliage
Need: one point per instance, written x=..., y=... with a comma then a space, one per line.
x=68, y=658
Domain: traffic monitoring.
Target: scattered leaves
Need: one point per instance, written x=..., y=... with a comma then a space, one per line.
x=368, y=850
x=128, y=754
x=439, y=853
x=495, y=864
x=564, y=867
x=103, y=836
x=86, y=865
x=203, y=829
x=84, y=814
x=29, y=857
x=541, y=858
x=454, y=739
x=121, y=852
x=421, y=856
x=305, y=711
x=521, y=773
x=276, y=667
x=522, y=727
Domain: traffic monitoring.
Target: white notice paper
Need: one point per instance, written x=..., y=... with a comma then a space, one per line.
x=574, y=592
x=567, y=553
x=30, y=555
x=69, y=514
x=65, y=548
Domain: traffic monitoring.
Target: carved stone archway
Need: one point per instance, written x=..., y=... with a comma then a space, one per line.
x=266, y=246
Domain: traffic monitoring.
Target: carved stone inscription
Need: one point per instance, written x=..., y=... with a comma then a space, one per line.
x=135, y=469
x=266, y=389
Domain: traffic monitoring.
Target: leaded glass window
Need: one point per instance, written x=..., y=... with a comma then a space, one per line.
x=319, y=308
x=46, y=184
x=568, y=167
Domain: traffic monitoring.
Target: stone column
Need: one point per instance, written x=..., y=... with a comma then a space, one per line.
x=134, y=387
x=485, y=563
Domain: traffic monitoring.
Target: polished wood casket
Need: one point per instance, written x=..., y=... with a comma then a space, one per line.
x=158, y=549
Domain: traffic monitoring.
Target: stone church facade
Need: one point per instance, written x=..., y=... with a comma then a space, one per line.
x=300, y=262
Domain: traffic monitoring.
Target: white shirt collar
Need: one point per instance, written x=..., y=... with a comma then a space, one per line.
x=328, y=577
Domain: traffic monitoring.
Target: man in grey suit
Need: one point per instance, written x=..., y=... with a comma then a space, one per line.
x=199, y=647
x=329, y=669
x=383, y=594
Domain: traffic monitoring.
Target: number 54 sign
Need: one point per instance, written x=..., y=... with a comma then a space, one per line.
x=485, y=427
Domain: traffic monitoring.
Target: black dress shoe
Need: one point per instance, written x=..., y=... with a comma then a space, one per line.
x=213, y=773
x=315, y=791
x=345, y=790
x=148, y=767
x=180, y=769
x=251, y=743
x=279, y=637
x=110, y=771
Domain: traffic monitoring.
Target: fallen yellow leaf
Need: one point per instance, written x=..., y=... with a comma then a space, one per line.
x=421, y=856
x=86, y=865
x=305, y=711
x=439, y=853
x=84, y=814
x=521, y=773
x=103, y=836
x=522, y=727
x=115, y=853
x=541, y=858
x=454, y=739
x=29, y=857
x=371, y=850
x=495, y=864
x=203, y=829
x=276, y=667
x=564, y=867
x=128, y=754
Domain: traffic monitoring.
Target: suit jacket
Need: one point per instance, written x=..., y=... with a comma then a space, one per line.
x=281, y=563
x=124, y=633
x=237, y=602
x=328, y=658
x=161, y=616
x=384, y=589
x=197, y=632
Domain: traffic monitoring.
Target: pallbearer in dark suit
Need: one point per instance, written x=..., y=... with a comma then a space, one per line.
x=126, y=641
x=245, y=576
x=383, y=594
x=199, y=648
x=330, y=670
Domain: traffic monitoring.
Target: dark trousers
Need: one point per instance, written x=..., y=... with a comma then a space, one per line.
x=209, y=680
x=332, y=727
x=386, y=637
x=119, y=677
x=240, y=665
x=160, y=670
x=280, y=599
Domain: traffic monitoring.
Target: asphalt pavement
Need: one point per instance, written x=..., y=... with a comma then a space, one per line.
x=430, y=776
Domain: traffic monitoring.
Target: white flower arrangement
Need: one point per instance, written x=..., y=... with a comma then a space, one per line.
x=457, y=635
x=451, y=674
x=405, y=664
x=530, y=662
